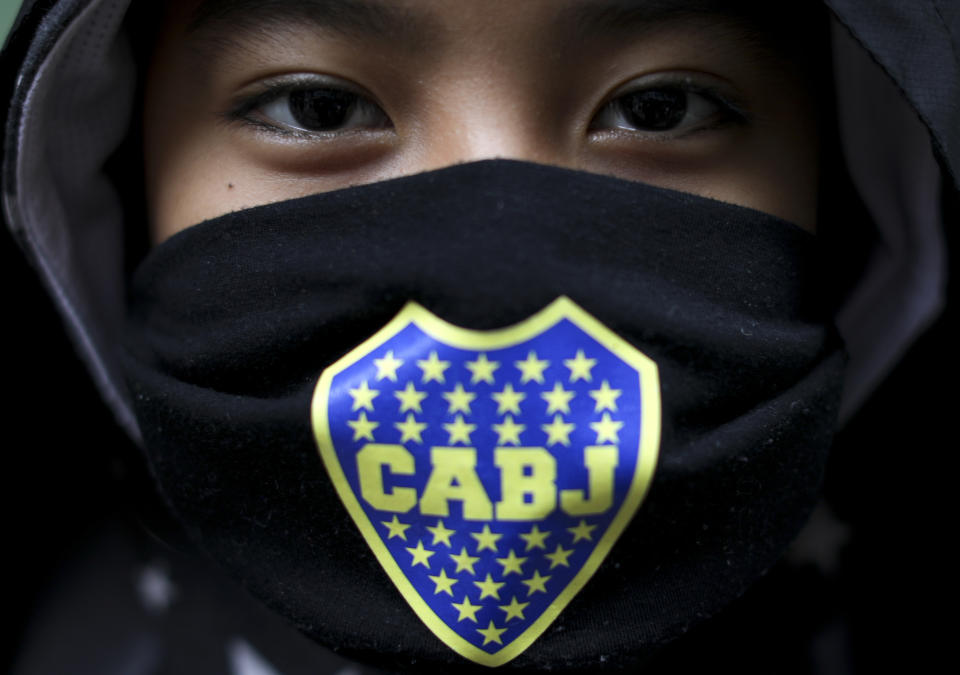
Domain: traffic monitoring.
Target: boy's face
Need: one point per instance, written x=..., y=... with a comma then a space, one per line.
x=250, y=102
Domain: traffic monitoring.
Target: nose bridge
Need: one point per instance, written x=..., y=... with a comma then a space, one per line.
x=493, y=115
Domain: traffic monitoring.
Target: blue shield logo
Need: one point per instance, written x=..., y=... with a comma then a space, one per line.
x=490, y=471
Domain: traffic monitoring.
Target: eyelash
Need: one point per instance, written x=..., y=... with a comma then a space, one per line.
x=248, y=109
x=695, y=95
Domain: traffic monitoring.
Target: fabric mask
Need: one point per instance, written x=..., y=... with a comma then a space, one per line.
x=499, y=413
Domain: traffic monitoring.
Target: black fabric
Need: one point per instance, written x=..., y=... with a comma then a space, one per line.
x=918, y=45
x=232, y=321
x=166, y=614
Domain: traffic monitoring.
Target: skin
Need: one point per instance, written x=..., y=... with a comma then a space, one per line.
x=464, y=81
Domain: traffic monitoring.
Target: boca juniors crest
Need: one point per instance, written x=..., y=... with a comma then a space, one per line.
x=490, y=471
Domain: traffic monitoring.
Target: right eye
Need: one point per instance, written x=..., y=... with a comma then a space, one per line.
x=312, y=108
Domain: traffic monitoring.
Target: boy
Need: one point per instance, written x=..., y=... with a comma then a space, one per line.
x=232, y=322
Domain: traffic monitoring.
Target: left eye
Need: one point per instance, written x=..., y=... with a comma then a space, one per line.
x=661, y=109
x=312, y=107
x=325, y=110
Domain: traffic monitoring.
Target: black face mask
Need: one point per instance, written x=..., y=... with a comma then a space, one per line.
x=380, y=505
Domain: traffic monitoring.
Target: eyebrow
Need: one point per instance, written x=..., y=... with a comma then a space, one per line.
x=608, y=18
x=605, y=15
x=356, y=18
x=780, y=29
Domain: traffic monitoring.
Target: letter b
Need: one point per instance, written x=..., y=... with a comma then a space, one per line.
x=528, y=483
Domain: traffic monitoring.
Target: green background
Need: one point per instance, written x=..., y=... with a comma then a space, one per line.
x=8, y=10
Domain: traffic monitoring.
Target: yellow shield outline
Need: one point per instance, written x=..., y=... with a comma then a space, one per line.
x=501, y=338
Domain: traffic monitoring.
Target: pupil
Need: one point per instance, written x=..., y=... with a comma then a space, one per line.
x=321, y=109
x=655, y=109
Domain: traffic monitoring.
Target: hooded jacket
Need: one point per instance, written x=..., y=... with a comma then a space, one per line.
x=69, y=73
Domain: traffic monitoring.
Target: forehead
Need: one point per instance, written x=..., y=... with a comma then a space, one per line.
x=402, y=20
x=426, y=13
x=473, y=32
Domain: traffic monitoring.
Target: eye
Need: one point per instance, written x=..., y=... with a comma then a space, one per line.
x=672, y=110
x=313, y=106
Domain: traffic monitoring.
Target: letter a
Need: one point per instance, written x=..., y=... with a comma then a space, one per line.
x=454, y=477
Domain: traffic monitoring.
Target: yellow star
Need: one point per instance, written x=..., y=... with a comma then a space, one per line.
x=486, y=539
x=515, y=609
x=511, y=563
x=459, y=399
x=362, y=427
x=482, y=369
x=559, y=557
x=531, y=368
x=558, y=431
x=536, y=583
x=410, y=429
x=459, y=430
x=607, y=429
x=535, y=538
x=580, y=367
x=363, y=396
x=444, y=584
x=605, y=397
x=433, y=368
x=491, y=633
x=421, y=555
x=509, y=431
x=441, y=535
x=464, y=561
x=582, y=531
x=387, y=366
x=467, y=610
x=558, y=400
x=489, y=588
x=410, y=398
x=508, y=400
x=397, y=529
